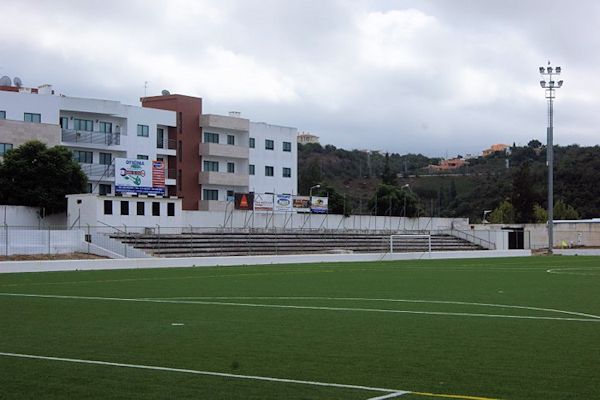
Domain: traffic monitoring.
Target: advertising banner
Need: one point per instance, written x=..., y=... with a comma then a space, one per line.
x=244, y=201
x=263, y=202
x=283, y=203
x=301, y=204
x=158, y=174
x=136, y=176
x=318, y=205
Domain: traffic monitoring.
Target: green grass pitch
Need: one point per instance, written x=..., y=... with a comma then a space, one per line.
x=511, y=328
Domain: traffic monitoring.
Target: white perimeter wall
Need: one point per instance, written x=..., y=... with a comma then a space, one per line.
x=71, y=265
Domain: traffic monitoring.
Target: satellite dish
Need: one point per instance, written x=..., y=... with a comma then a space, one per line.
x=17, y=81
x=5, y=81
x=165, y=92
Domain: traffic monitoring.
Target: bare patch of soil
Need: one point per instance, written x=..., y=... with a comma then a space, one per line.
x=36, y=257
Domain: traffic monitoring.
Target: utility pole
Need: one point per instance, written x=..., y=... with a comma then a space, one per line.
x=550, y=86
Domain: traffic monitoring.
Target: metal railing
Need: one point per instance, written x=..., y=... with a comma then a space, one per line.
x=87, y=137
x=170, y=144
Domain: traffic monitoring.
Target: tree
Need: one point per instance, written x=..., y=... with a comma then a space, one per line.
x=565, y=211
x=310, y=177
x=540, y=214
x=337, y=203
x=523, y=196
x=388, y=177
x=37, y=176
x=534, y=144
x=503, y=214
x=390, y=200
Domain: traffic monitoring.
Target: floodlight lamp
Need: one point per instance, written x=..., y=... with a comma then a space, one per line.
x=549, y=70
x=557, y=70
x=542, y=70
x=560, y=83
x=543, y=84
x=552, y=84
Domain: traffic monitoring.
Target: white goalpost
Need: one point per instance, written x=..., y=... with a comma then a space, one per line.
x=411, y=242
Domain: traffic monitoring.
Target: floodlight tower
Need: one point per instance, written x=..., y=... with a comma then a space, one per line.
x=550, y=86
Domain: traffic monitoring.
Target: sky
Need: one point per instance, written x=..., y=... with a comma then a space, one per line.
x=439, y=78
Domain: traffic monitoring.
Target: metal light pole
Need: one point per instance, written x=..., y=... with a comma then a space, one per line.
x=310, y=191
x=550, y=86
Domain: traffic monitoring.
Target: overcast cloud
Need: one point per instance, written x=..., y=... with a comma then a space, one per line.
x=434, y=77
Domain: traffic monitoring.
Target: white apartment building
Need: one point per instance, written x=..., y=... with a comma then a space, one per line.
x=239, y=156
x=273, y=160
x=97, y=131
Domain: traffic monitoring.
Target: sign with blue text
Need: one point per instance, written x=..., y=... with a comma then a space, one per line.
x=136, y=176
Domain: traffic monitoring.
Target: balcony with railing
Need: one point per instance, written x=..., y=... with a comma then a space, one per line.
x=170, y=144
x=98, y=170
x=223, y=150
x=71, y=136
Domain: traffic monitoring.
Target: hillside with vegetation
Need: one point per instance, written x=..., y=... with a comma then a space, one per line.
x=512, y=184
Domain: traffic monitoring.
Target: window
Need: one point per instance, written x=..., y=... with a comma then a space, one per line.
x=179, y=180
x=160, y=138
x=89, y=188
x=107, y=207
x=105, y=158
x=231, y=140
x=269, y=170
x=4, y=147
x=252, y=143
x=251, y=169
x=287, y=172
x=230, y=195
x=142, y=157
x=105, y=127
x=170, y=209
x=180, y=150
x=211, y=166
x=269, y=144
x=30, y=117
x=2, y=114
x=124, y=208
x=180, y=122
x=210, y=137
x=210, y=194
x=64, y=122
x=143, y=130
x=141, y=208
x=83, y=125
x=156, y=208
x=84, y=157
x=230, y=167
x=287, y=146
x=104, y=189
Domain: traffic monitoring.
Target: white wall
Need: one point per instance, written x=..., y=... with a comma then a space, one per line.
x=71, y=265
x=20, y=216
x=90, y=211
x=276, y=158
x=17, y=104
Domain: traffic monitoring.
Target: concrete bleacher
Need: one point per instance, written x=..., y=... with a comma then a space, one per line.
x=253, y=243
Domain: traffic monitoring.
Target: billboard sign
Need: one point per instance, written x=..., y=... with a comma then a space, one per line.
x=318, y=205
x=137, y=176
x=244, y=201
x=301, y=204
x=263, y=202
x=283, y=203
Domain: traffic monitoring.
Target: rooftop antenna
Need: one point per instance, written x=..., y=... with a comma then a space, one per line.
x=146, y=87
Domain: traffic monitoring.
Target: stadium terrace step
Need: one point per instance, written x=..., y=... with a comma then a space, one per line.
x=244, y=243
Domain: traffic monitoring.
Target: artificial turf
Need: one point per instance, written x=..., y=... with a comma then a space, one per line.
x=236, y=320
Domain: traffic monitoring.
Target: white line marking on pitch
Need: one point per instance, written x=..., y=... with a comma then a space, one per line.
x=382, y=300
x=168, y=278
x=388, y=396
x=376, y=310
x=207, y=373
x=569, y=271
